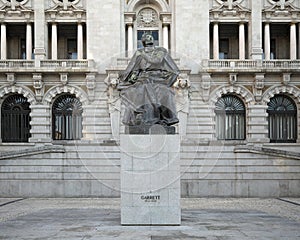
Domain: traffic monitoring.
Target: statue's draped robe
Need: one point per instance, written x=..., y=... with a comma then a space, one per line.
x=146, y=88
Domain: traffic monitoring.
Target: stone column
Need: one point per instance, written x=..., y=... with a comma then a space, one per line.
x=216, y=40
x=166, y=36
x=256, y=30
x=293, y=42
x=40, y=32
x=130, y=39
x=54, y=41
x=79, y=41
x=3, y=42
x=267, y=42
x=28, y=41
x=299, y=41
x=242, y=41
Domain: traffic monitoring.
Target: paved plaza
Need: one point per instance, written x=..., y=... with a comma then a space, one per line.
x=202, y=218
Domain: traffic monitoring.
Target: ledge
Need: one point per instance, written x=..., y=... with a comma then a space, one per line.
x=267, y=151
x=31, y=151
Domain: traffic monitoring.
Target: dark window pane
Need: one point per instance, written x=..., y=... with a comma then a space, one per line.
x=15, y=119
x=230, y=118
x=67, y=118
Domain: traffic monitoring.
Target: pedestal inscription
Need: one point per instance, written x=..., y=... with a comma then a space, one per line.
x=150, y=180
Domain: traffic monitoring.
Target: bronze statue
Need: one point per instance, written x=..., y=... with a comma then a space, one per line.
x=146, y=86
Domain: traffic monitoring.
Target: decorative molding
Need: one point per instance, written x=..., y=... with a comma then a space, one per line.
x=286, y=78
x=91, y=85
x=205, y=85
x=56, y=90
x=63, y=78
x=271, y=92
x=258, y=85
x=229, y=8
x=129, y=17
x=38, y=85
x=14, y=10
x=147, y=17
x=65, y=8
x=166, y=18
x=11, y=78
x=161, y=5
x=281, y=9
x=232, y=78
x=239, y=90
x=26, y=92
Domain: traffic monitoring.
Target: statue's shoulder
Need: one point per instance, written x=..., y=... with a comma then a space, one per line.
x=161, y=49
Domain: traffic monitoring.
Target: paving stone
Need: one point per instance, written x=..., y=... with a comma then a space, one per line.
x=217, y=219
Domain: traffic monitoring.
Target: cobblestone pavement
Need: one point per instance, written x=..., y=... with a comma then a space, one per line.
x=202, y=218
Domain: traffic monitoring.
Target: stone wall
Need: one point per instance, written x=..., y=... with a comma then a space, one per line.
x=93, y=170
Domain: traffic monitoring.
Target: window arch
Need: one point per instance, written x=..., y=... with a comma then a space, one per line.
x=67, y=118
x=230, y=118
x=15, y=119
x=282, y=119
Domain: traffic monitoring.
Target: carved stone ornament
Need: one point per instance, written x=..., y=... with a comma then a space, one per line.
x=229, y=3
x=10, y=77
x=280, y=3
x=13, y=4
x=90, y=79
x=66, y=8
x=286, y=78
x=38, y=86
x=205, y=85
x=182, y=92
x=15, y=9
x=66, y=3
x=282, y=8
x=259, y=84
x=232, y=78
x=147, y=17
x=64, y=78
x=230, y=8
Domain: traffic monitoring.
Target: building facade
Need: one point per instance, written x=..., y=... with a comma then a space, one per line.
x=238, y=94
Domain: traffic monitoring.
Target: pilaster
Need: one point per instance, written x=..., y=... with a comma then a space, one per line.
x=40, y=123
x=257, y=124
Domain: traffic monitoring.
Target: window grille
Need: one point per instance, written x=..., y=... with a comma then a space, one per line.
x=282, y=119
x=230, y=118
x=67, y=118
x=15, y=119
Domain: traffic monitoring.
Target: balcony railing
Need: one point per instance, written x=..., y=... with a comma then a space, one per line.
x=66, y=64
x=250, y=65
x=45, y=65
x=207, y=65
x=6, y=64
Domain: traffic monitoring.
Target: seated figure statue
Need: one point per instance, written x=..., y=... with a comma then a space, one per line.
x=146, y=86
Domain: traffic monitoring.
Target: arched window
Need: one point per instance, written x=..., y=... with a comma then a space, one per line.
x=67, y=118
x=282, y=119
x=15, y=119
x=230, y=118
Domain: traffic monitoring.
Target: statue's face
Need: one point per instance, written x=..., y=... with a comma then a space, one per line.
x=148, y=40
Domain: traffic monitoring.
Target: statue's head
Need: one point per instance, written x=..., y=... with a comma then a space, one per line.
x=147, y=39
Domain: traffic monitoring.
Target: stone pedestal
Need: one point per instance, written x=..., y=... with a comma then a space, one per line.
x=150, y=180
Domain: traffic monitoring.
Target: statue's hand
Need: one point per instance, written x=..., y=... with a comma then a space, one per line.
x=133, y=77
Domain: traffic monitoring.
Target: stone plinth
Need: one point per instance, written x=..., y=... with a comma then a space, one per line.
x=150, y=180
